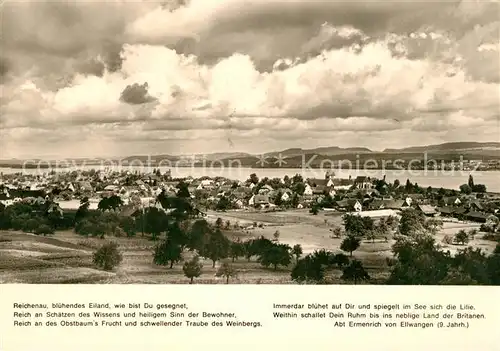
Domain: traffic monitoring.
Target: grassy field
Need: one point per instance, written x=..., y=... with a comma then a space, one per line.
x=66, y=257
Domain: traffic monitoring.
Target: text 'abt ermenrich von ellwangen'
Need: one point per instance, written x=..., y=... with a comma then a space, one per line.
x=372, y=315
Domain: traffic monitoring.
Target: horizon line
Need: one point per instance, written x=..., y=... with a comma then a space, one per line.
x=53, y=158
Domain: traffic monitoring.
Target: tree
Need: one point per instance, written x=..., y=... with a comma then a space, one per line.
x=236, y=250
x=411, y=222
x=299, y=188
x=336, y=231
x=192, y=268
x=314, y=209
x=83, y=210
x=418, y=261
x=107, y=256
x=472, y=233
x=154, y=221
x=465, y=189
x=442, y=191
x=355, y=272
x=287, y=181
x=462, y=237
x=479, y=188
x=340, y=260
x=254, y=247
x=472, y=262
x=382, y=229
x=381, y=186
x=428, y=191
x=297, y=251
x=408, y=186
x=276, y=255
x=295, y=200
x=177, y=233
x=396, y=183
x=308, y=269
x=198, y=234
x=371, y=235
x=457, y=276
x=327, y=201
x=253, y=178
x=182, y=190
x=216, y=247
x=471, y=181
x=31, y=225
x=357, y=225
x=497, y=249
x=493, y=266
x=350, y=244
x=95, y=225
x=417, y=189
x=277, y=200
x=167, y=252
x=5, y=218
x=110, y=203
x=392, y=222
x=433, y=225
x=226, y=270
x=219, y=223
x=276, y=235
x=180, y=207
x=44, y=229
x=249, y=248
x=128, y=225
x=297, y=178
x=323, y=256
x=223, y=204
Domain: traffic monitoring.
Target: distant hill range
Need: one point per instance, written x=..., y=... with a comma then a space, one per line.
x=451, y=147
x=294, y=156
x=325, y=151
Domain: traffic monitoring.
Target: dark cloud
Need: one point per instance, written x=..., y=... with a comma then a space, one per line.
x=263, y=31
x=176, y=91
x=90, y=67
x=66, y=28
x=4, y=68
x=186, y=46
x=173, y=5
x=349, y=108
x=136, y=94
x=367, y=16
x=111, y=55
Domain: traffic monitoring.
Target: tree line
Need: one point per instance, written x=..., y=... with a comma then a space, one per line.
x=179, y=227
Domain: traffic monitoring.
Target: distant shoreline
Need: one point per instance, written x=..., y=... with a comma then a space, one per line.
x=97, y=166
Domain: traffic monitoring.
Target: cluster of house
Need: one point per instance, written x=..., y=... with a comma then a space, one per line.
x=350, y=195
x=468, y=207
x=68, y=188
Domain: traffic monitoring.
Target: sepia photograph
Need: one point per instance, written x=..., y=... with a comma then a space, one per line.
x=250, y=142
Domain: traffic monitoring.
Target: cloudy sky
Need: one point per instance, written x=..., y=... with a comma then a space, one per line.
x=113, y=78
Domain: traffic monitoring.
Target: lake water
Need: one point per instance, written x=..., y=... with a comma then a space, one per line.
x=434, y=178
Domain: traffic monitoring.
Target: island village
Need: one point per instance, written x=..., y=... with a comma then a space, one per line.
x=120, y=227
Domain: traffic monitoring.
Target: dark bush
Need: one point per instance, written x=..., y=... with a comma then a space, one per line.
x=107, y=256
x=44, y=229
